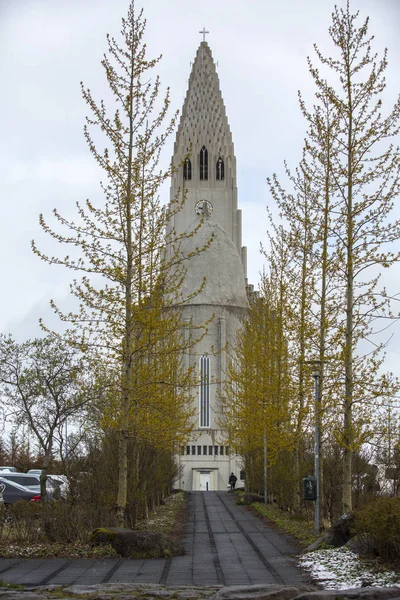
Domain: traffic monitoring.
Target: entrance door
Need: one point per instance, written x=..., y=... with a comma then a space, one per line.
x=205, y=482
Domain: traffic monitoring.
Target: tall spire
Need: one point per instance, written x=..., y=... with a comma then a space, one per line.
x=204, y=155
x=204, y=120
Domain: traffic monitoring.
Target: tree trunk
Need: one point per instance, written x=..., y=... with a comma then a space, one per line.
x=296, y=469
x=348, y=355
x=43, y=474
x=122, y=478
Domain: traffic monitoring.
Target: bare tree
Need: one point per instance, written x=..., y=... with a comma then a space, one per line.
x=44, y=386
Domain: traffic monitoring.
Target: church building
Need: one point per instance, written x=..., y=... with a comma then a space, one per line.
x=208, y=174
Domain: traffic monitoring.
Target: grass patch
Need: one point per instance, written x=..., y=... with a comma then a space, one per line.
x=57, y=550
x=295, y=525
x=163, y=519
x=5, y=584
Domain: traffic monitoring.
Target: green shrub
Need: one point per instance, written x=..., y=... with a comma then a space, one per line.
x=27, y=523
x=24, y=522
x=52, y=529
x=62, y=522
x=379, y=524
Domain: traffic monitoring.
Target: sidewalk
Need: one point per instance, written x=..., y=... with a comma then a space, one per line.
x=225, y=545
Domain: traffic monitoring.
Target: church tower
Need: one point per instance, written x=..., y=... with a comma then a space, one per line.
x=204, y=150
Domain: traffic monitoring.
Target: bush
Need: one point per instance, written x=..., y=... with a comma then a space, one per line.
x=62, y=522
x=29, y=523
x=379, y=526
x=21, y=522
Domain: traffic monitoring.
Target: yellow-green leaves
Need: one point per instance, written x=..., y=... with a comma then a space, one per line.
x=126, y=319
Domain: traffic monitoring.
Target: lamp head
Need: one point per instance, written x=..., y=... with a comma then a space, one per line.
x=316, y=368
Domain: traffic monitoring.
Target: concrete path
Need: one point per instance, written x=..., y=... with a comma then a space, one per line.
x=225, y=545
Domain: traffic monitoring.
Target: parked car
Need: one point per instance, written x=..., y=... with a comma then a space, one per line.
x=14, y=491
x=13, y=469
x=31, y=482
x=59, y=483
x=2, y=488
x=24, y=479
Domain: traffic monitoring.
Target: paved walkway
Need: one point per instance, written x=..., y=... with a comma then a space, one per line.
x=225, y=545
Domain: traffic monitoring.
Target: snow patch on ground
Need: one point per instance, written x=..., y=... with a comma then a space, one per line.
x=340, y=568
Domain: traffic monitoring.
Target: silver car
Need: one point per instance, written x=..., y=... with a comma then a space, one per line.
x=14, y=491
x=30, y=482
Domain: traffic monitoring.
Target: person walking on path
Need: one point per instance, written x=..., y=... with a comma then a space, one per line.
x=232, y=481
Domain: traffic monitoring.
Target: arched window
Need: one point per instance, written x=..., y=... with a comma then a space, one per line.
x=204, y=391
x=187, y=170
x=220, y=170
x=204, y=163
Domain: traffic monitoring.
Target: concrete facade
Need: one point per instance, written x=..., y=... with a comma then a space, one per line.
x=206, y=169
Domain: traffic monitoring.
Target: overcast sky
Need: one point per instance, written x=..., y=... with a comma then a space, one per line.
x=48, y=46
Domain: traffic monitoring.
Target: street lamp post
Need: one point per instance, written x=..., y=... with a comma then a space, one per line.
x=66, y=438
x=316, y=375
x=265, y=468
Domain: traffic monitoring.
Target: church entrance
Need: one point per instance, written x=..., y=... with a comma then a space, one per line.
x=205, y=482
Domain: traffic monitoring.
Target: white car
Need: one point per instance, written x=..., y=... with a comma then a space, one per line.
x=59, y=483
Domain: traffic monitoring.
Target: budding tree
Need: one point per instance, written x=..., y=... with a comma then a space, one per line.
x=128, y=282
x=365, y=169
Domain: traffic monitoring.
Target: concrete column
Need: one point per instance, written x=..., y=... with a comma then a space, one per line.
x=233, y=215
x=186, y=340
x=238, y=230
x=222, y=348
x=243, y=256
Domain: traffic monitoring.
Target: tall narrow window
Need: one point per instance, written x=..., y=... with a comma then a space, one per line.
x=204, y=399
x=187, y=170
x=204, y=163
x=220, y=170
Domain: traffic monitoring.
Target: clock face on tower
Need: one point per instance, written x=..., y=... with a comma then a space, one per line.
x=198, y=207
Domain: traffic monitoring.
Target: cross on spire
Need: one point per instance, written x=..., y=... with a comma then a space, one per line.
x=204, y=33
